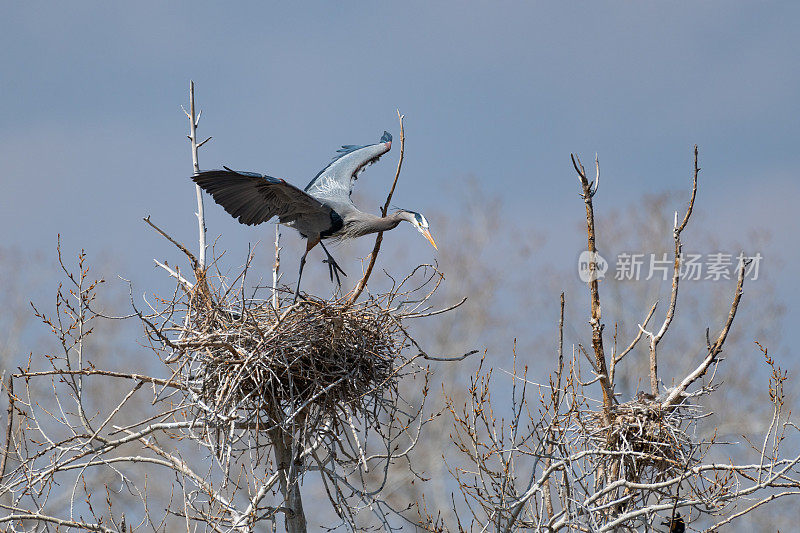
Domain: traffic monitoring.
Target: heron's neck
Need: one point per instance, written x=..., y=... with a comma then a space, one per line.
x=373, y=224
x=388, y=222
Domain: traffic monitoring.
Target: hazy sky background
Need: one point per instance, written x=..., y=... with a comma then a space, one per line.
x=92, y=137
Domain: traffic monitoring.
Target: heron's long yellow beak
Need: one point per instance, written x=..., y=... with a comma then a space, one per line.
x=429, y=237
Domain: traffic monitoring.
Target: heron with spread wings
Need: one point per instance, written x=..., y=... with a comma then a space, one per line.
x=323, y=210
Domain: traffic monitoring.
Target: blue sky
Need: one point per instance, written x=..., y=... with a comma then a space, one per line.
x=92, y=137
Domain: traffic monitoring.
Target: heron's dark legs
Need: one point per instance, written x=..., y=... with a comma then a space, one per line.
x=309, y=245
x=333, y=266
x=300, y=275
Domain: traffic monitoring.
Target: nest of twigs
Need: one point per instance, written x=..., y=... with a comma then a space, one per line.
x=652, y=441
x=267, y=366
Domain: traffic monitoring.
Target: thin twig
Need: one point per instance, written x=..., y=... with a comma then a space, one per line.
x=362, y=283
x=180, y=246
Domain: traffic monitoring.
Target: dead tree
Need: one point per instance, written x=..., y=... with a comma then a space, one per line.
x=571, y=454
x=250, y=397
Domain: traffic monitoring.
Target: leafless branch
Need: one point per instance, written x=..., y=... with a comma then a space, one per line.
x=675, y=396
x=201, y=220
x=374, y=254
x=588, y=191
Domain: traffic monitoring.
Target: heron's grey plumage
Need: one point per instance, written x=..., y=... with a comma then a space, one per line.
x=323, y=210
x=335, y=182
x=367, y=223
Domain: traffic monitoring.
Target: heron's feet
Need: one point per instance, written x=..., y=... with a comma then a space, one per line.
x=334, y=269
x=297, y=296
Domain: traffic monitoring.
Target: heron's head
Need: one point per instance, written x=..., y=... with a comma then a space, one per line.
x=420, y=222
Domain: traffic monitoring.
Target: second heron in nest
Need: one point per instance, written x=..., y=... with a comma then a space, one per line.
x=323, y=210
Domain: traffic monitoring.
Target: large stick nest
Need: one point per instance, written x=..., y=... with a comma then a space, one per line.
x=317, y=361
x=320, y=355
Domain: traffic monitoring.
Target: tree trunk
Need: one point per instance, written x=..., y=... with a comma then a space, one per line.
x=290, y=488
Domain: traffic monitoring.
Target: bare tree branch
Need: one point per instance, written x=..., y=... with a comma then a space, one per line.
x=374, y=254
x=201, y=220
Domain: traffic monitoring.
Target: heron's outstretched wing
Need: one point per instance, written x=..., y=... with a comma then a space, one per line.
x=335, y=182
x=254, y=198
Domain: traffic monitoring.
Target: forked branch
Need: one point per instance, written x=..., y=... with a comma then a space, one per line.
x=676, y=274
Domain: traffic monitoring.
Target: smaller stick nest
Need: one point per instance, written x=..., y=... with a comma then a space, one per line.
x=306, y=360
x=654, y=439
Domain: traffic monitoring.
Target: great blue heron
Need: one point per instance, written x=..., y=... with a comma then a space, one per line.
x=323, y=210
